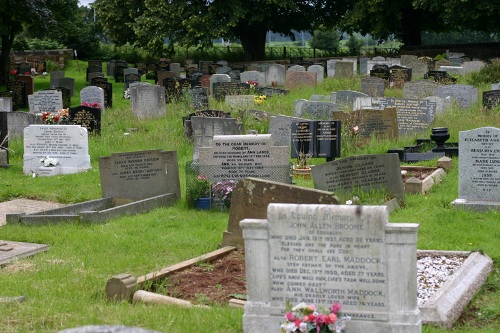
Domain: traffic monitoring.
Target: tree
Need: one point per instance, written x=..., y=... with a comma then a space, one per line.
x=325, y=39
x=199, y=22
x=16, y=15
x=354, y=44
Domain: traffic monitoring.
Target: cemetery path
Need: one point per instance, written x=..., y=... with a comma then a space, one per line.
x=211, y=283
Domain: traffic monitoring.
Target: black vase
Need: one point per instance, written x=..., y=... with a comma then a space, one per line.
x=439, y=135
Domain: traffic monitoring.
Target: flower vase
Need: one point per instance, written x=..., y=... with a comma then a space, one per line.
x=304, y=173
x=203, y=203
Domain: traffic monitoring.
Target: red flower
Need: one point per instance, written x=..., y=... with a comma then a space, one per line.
x=56, y=118
x=13, y=72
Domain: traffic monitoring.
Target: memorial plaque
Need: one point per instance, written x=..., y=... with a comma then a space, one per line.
x=221, y=89
x=491, y=99
x=87, y=117
x=234, y=157
x=316, y=138
x=365, y=172
x=139, y=175
x=373, y=86
x=66, y=143
x=479, y=167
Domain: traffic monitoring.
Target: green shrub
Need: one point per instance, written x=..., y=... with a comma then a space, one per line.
x=44, y=44
x=488, y=74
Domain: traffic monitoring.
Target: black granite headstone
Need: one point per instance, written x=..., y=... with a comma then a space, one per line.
x=87, y=117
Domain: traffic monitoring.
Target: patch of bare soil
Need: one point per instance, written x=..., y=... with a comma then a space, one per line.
x=419, y=174
x=211, y=283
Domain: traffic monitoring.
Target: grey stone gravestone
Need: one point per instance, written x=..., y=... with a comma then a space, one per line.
x=354, y=61
x=275, y=75
x=281, y=129
x=234, y=157
x=240, y=102
x=54, y=78
x=419, y=89
x=344, y=69
x=382, y=124
x=5, y=104
x=148, y=101
x=373, y=86
x=222, y=89
x=321, y=98
x=17, y=121
x=222, y=70
x=139, y=175
x=319, y=254
x=253, y=76
x=347, y=96
x=495, y=86
x=91, y=95
x=205, y=128
x=365, y=172
x=300, y=79
x=455, y=70
x=250, y=199
x=479, y=169
x=162, y=75
x=296, y=68
x=131, y=77
x=218, y=78
x=130, y=70
x=45, y=101
x=441, y=103
x=69, y=144
x=330, y=67
x=464, y=95
x=407, y=60
x=320, y=72
x=473, y=66
x=176, y=68
x=93, y=75
x=314, y=110
x=67, y=82
x=363, y=65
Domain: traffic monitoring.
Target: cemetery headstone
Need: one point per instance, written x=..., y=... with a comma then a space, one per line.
x=9, y=95
x=17, y=121
x=68, y=144
x=234, y=157
x=280, y=128
x=320, y=72
x=130, y=70
x=365, y=172
x=455, y=70
x=45, y=101
x=139, y=175
x=110, y=70
x=473, y=66
x=381, y=71
x=419, y=89
x=252, y=76
x=300, y=79
x=19, y=89
x=54, y=78
x=347, y=96
x=148, y=101
x=440, y=77
x=175, y=67
x=398, y=76
x=443, y=62
x=296, y=68
x=107, y=87
x=91, y=95
x=87, y=117
x=250, y=199
x=316, y=138
x=67, y=82
x=314, y=110
x=222, y=70
x=206, y=67
x=218, y=78
x=199, y=98
x=479, y=169
x=131, y=77
x=319, y=254
x=93, y=75
x=465, y=95
x=6, y=104
x=320, y=98
x=363, y=65
x=205, y=128
x=221, y=89
x=382, y=124
x=344, y=69
x=29, y=83
x=491, y=99
x=162, y=75
x=275, y=75
x=240, y=102
x=373, y=86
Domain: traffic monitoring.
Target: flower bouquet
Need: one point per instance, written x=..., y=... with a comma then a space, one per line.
x=222, y=191
x=59, y=117
x=49, y=161
x=305, y=318
x=199, y=188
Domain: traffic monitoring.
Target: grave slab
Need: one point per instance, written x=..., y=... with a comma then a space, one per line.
x=10, y=250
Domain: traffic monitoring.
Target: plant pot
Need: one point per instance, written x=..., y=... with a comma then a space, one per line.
x=203, y=203
x=304, y=173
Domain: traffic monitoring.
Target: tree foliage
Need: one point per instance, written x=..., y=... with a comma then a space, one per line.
x=325, y=39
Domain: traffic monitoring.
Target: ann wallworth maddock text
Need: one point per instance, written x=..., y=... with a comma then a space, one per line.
x=327, y=256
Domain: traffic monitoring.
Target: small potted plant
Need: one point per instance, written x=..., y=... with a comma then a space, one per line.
x=198, y=194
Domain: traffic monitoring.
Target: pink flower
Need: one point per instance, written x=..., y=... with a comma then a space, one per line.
x=333, y=318
x=289, y=316
x=336, y=307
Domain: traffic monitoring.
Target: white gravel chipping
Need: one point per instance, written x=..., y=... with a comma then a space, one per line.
x=432, y=272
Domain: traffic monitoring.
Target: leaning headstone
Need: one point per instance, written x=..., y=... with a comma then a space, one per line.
x=491, y=99
x=139, y=175
x=465, y=95
x=234, y=157
x=478, y=169
x=275, y=75
x=205, y=128
x=314, y=110
x=365, y=172
x=92, y=95
x=320, y=72
x=148, y=101
x=251, y=197
x=281, y=129
x=45, y=101
x=300, y=79
x=87, y=117
x=68, y=144
x=373, y=86
x=419, y=89
x=319, y=254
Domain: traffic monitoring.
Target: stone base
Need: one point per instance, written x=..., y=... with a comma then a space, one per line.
x=49, y=171
x=479, y=206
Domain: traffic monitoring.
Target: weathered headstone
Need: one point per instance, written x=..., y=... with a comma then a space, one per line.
x=300, y=79
x=465, y=95
x=319, y=254
x=67, y=82
x=296, y=68
x=221, y=89
x=240, y=102
x=234, y=157
x=373, y=86
x=275, y=75
x=67, y=143
x=479, y=169
x=17, y=121
x=314, y=110
x=250, y=199
x=344, y=69
x=491, y=99
x=5, y=104
x=473, y=66
x=320, y=72
x=139, y=175
x=382, y=124
x=398, y=76
x=343, y=97
x=148, y=101
x=281, y=129
x=87, y=117
x=364, y=172
x=419, y=89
